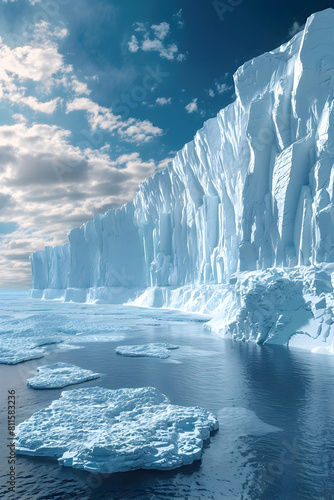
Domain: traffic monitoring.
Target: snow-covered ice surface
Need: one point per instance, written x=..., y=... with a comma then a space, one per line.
x=146, y=350
x=13, y=352
x=22, y=336
x=102, y=430
x=16, y=349
x=253, y=191
x=60, y=375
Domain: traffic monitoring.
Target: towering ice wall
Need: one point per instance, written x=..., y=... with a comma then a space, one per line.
x=253, y=190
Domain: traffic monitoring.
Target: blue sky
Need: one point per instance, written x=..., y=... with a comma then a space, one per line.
x=96, y=96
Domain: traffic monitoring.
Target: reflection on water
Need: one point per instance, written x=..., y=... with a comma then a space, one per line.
x=275, y=407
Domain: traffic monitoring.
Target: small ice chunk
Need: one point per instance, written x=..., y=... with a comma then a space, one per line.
x=324, y=349
x=160, y=350
x=60, y=375
x=105, y=431
x=81, y=338
x=68, y=347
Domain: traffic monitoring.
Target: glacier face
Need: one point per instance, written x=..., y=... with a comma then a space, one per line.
x=253, y=191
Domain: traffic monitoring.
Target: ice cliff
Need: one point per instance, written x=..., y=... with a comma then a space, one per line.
x=244, y=209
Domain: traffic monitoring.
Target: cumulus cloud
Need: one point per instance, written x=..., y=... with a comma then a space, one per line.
x=47, y=107
x=222, y=87
x=133, y=44
x=155, y=39
x=80, y=88
x=34, y=67
x=99, y=117
x=192, y=107
x=161, y=30
x=163, y=101
x=49, y=186
x=29, y=62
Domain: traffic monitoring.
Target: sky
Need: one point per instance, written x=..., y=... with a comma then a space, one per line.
x=97, y=96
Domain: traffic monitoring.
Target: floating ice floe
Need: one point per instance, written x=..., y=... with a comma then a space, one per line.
x=160, y=350
x=17, y=349
x=13, y=355
x=68, y=347
x=103, y=430
x=60, y=375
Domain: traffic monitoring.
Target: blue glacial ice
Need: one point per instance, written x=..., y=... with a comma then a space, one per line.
x=158, y=350
x=60, y=375
x=245, y=209
x=102, y=430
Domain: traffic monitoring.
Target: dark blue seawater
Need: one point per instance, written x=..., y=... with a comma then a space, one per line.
x=291, y=390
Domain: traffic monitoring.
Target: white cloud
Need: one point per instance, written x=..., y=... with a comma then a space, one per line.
x=139, y=131
x=99, y=117
x=133, y=44
x=156, y=45
x=80, y=88
x=36, y=63
x=295, y=28
x=17, y=117
x=222, y=87
x=140, y=26
x=211, y=93
x=178, y=18
x=31, y=63
x=154, y=39
x=160, y=101
x=161, y=30
x=192, y=107
x=49, y=186
x=44, y=107
x=181, y=57
x=163, y=101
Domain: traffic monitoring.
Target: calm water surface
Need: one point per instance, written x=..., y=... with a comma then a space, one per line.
x=246, y=386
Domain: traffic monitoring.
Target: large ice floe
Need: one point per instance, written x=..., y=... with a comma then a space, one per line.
x=103, y=430
x=14, y=350
x=244, y=212
x=158, y=350
x=59, y=375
